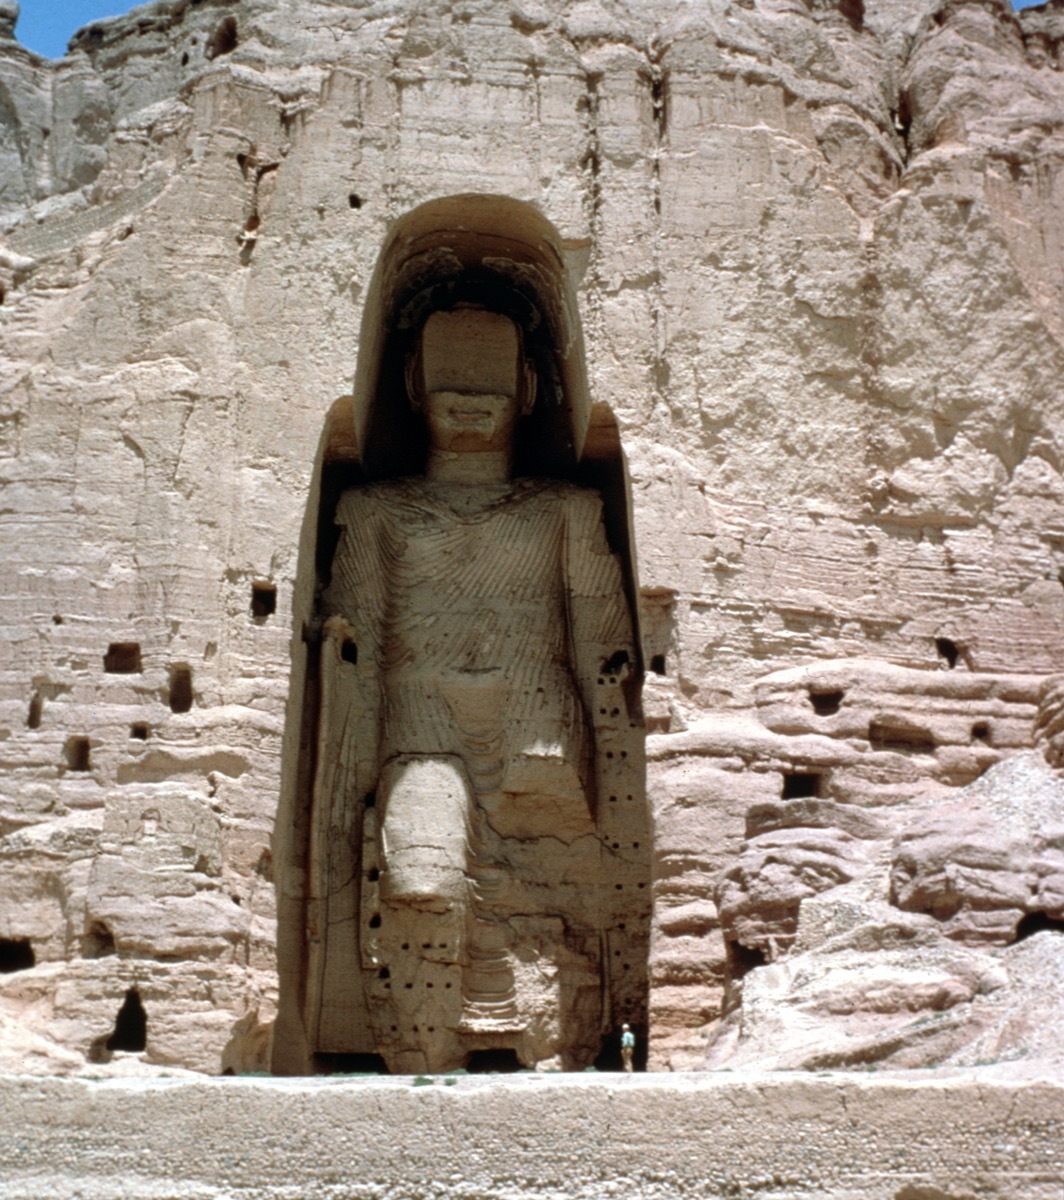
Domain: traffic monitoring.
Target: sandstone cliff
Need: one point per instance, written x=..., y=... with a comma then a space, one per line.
x=820, y=267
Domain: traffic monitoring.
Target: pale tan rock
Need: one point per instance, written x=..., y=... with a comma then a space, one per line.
x=930, y=955
x=817, y=258
x=981, y=862
x=901, y=1136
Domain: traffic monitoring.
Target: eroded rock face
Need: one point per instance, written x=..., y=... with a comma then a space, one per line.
x=817, y=253
x=930, y=954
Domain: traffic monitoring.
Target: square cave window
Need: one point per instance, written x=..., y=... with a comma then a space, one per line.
x=76, y=754
x=122, y=658
x=800, y=784
x=263, y=600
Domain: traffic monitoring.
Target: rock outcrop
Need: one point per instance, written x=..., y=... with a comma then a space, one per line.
x=818, y=258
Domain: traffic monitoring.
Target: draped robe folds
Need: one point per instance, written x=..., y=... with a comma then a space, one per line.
x=484, y=631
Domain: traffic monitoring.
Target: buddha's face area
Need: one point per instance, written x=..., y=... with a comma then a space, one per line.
x=470, y=422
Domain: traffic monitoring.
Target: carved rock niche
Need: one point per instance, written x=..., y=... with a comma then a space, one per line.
x=463, y=837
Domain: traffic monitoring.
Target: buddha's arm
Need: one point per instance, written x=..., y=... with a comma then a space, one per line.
x=345, y=772
x=600, y=623
x=351, y=636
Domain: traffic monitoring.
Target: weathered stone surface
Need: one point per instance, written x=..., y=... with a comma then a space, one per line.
x=833, y=1136
x=818, y=260
x=929, y=951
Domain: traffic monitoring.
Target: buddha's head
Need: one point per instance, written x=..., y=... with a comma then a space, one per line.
x=471, y=379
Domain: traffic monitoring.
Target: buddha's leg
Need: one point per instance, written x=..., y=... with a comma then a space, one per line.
x=424, y=804
x=425, y=832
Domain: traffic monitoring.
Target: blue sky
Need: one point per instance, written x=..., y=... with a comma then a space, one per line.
x=47, y=25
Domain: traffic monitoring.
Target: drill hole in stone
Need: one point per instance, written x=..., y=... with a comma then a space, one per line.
x=224, y=40
x=76, y=754
x=349, y=652
x=826, y=703
x=981, y=732
x=16, y=954
x=33, y=717
x=354, y=200
x=263, y=600
x=139, y=731
x=657, y=664
x=375, y=921
x=800, y=784
x=122, y=658
x=948, y=650
x=180, y=688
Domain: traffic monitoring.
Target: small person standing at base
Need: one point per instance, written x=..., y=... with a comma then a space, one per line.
x=627, y=1047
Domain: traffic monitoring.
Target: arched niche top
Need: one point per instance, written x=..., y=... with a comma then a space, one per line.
x=490, y=250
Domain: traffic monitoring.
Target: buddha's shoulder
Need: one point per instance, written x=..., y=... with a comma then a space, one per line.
x=359, y=502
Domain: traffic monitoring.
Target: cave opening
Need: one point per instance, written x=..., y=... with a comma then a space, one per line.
x=131, y=1025
x=948, y=650
x=16, y=954
x=350, y=1064
x=609, y=1056
x=180, y=688
x=742, y=959
x=826, y=703
x=224, y=40
x=798, y=785
x=1037, y=922
x=122, y=658
x=263, y=600
x=493, y=1061
x=76, y=754
x=504, y=262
